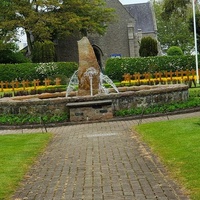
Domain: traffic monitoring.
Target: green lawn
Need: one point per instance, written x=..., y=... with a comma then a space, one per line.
x=177, y=143
x=17, y=154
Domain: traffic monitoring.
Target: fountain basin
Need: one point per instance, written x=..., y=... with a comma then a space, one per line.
x=128, y=97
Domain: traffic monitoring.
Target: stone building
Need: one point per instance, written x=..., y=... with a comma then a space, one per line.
x=122, y=37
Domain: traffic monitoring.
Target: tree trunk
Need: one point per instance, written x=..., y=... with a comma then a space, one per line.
x=29, y=43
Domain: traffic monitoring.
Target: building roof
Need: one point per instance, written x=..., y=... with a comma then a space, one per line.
x=143, y=16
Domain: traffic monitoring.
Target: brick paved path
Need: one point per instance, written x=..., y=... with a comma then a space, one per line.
x=98, y=161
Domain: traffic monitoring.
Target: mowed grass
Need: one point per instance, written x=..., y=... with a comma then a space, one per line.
x=177, y=143
x=17, y=153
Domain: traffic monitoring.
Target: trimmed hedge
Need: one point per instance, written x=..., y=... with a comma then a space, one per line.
x=117, y=67
x=31, y=71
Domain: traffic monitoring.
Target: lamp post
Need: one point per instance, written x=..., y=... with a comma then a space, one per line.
x=195, y=39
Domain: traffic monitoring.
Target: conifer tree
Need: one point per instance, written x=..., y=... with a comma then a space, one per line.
x=43, y=52
x=148, y=47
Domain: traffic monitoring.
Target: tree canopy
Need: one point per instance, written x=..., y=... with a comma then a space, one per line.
x=174, y=31
x=51, y=19
x=176, y=6
x=191, y=27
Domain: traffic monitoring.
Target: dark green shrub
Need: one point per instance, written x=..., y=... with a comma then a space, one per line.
x=174, y=51
x=37, y=52
x=148, y=47
x=9, y=53
x=43, y=52
x=8, y=56
x=48, y=51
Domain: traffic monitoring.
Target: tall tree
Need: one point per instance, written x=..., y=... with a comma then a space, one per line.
x=191, y=26
x=7, y=36
x=178, y=7
x=49, y=19
x=174, y=31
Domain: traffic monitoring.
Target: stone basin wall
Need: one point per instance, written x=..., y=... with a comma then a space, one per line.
x=129, y=97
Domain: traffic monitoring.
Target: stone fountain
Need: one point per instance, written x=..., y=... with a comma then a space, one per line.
x=92, y=101
x=90, y=80
x=88, y=77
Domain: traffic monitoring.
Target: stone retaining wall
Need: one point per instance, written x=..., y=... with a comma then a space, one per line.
x=128, y=97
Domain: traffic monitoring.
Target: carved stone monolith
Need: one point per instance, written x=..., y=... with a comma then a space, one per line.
x=89, y=70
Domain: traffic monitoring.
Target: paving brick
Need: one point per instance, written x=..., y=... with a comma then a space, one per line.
x=98, y=161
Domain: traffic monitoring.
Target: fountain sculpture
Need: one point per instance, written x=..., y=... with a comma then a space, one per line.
x=92, y=101
x=74, y=82
x=88, y=78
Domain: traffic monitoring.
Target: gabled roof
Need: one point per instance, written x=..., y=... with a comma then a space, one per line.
x=143, y=16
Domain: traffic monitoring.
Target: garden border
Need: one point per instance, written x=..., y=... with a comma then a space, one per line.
x=124, y=118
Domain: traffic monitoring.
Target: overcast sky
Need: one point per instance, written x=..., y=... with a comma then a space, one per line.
x=132, y=1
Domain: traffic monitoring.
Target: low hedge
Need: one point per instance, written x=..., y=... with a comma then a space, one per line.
x=31, y=71
x=117, y=67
